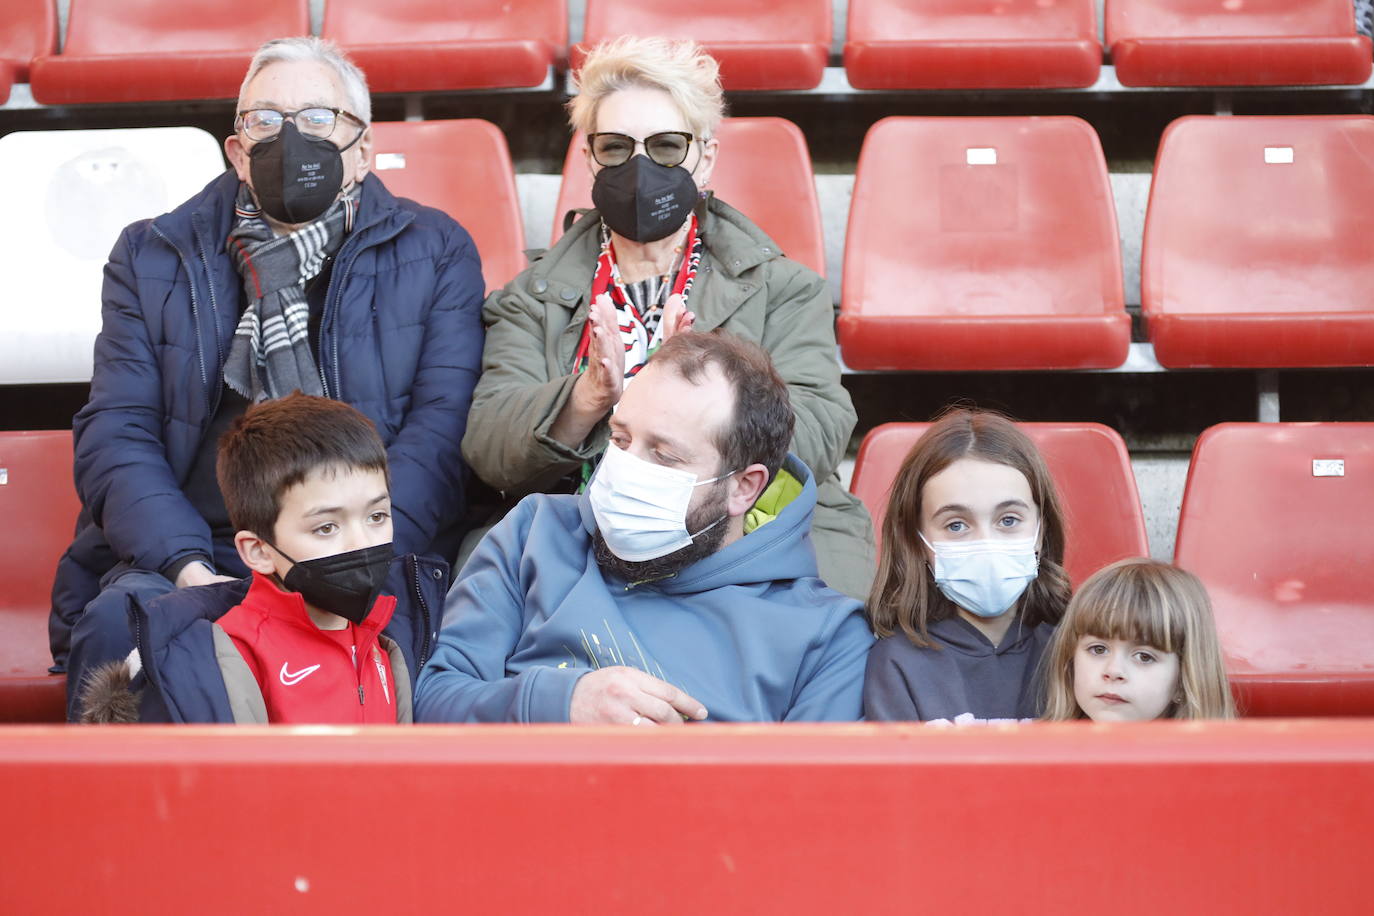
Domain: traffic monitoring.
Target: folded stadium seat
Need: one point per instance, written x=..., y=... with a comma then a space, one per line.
x=38, y=499
x=80, y=189
x=1091, y=469
x=161, y=50
x=29, y=29
x=761, y=44
x=1256, y=249
x=1275, y=522
x=463, y=168
x=763, y=170
x=434, y=46
x=982, y=244
x=1236, y=43
x=972, y=44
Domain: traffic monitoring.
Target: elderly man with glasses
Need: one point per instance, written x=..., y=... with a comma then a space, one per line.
x=294, y=270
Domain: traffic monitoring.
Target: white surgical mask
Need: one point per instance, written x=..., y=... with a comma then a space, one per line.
x=985, y=577
x=641, y=507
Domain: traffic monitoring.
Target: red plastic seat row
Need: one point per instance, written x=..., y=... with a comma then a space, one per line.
x=991, y=244
x=1274, y=521
x=37, y=496
x=160, y=50
x=151, y=50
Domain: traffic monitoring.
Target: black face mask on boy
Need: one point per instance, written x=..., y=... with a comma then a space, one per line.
x=296, y=177
x=642, y=200
x=346, y=584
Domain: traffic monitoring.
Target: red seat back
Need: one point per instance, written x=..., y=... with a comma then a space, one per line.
x=763, y=170
x=1227, y=42
x=1091, y=469
x=38, y=499
x=971, y=44
x=29, y=28
x=982, y=243
x=761, y=44
x=1256, y=248
x=462, y=167
x=161, y=50
x=431, y=45
x=1275, y=521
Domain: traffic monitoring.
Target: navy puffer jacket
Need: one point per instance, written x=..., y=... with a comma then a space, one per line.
x=400, y=339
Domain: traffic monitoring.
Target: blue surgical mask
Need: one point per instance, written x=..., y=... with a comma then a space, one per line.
x=985, y=577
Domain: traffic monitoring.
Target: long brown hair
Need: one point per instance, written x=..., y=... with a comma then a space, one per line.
x=1155, y=604
x=904, y=594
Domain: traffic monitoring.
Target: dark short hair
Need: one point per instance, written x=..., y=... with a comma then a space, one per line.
x=761, y=429
x=276, y=444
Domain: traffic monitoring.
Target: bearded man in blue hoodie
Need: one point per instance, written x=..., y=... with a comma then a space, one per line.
x=680, y=586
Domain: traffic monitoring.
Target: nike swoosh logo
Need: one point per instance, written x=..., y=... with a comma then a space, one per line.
x=292, y=678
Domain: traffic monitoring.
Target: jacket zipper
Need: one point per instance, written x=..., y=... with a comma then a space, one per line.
x=424, y=610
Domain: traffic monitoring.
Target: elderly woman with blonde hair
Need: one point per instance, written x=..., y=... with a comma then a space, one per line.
x=657, y=256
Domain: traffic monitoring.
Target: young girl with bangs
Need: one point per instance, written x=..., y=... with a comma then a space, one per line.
x=1138, y=642
x=970, y=580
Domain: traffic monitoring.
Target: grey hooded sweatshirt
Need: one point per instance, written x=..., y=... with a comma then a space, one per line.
x=963, y=678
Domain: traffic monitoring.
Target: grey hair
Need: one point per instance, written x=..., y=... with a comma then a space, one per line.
x=308, y=47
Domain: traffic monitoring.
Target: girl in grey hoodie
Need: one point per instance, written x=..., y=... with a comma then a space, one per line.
x=970, y=579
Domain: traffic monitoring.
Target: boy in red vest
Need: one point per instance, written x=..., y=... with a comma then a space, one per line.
x=304, y=480
x=305, y=483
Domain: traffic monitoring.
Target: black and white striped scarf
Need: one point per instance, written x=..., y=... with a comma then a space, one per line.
x=270, y=356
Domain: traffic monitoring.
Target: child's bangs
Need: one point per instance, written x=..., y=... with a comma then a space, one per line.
x=1134, y=612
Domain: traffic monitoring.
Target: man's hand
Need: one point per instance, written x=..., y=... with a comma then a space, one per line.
x=198, y=573
x=627, y=696
x=676, y=319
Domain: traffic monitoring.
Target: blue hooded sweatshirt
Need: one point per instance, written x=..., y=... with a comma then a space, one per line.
x=749, y=630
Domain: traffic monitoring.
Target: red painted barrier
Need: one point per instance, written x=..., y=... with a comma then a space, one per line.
x=1248, y=816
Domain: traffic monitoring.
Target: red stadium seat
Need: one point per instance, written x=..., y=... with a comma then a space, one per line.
x=763, y=170
x=761, y=44
x=463, y=168
x=980, y=244
x=1090, y=466
x=161, y=50
x=1235, y=43
x=29, y=29
x=1256, y=249
x=39, y=501
x=433, y=45
x=972, y=44
x=1275, y=521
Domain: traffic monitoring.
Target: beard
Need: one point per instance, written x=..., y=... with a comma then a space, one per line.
x=713, y=509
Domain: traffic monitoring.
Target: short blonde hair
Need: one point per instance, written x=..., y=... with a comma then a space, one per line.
x=682, y=69
x=1153, y=603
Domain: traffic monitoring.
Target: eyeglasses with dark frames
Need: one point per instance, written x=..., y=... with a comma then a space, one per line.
x=262, y=124
x=667, y=148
